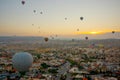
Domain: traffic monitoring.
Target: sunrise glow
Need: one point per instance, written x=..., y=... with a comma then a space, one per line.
x=94, y=32
x=42, y=18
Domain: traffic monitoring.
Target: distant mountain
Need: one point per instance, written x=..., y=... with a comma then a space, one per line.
x=16, y=38
x=39, y=41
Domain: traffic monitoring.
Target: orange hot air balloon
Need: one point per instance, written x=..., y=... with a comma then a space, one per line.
x=46, y=39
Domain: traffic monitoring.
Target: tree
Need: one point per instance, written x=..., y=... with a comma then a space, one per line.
x=44, y=65
x=38, y=56
x=52, y=71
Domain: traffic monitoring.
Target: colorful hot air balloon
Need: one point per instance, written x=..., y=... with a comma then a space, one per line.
x=23, y=2
x=22, y=61
x=81, y=18
x=46, y=39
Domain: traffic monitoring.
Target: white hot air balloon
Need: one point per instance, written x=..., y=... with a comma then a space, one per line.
x=22, y=61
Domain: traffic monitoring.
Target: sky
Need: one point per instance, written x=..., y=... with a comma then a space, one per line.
x=100, y=18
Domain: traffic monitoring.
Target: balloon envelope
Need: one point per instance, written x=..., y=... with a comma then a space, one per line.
x=41, y=12
x=113, y=32
x=23, y=2
x=65, y=18
x=81, y=18
x=34, y=11
x=86, y=38
x=46, y=39
x=22, y=61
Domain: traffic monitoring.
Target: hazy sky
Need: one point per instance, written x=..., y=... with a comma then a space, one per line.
x=100, y=16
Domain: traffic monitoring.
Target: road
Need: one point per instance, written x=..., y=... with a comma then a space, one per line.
x=63, y=69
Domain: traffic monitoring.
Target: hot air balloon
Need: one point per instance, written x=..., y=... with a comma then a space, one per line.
x=113, y=32
x=86, y=38
x=77, y=29
x=81, y=18
x=52, y=37
x=23, y=2
x=46, y=39
x=41, y=12
x=32, y=24
x=22, y=61
x=65, y=18
x=34, y=11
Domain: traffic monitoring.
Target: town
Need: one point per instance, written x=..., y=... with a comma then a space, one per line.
x=62, y=62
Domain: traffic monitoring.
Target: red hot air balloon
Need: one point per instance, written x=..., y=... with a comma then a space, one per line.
x=23, y=2
x=46, y=39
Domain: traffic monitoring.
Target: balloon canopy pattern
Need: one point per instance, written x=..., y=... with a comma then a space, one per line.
x=22, y=61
